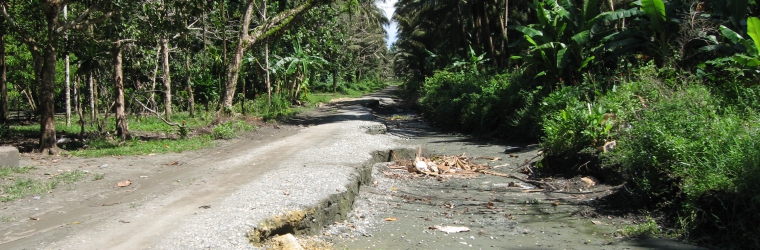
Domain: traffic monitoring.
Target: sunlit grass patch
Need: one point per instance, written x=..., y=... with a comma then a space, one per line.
x=17, y=188
x=106, y=147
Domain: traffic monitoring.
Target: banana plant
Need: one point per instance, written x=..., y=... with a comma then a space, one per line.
x=562, y=43
x=298, y=65
x=649, y=34
x=472, y=65
x=746, y=52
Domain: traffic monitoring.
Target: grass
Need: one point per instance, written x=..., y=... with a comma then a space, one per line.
x=6, y=172
x=98, y=176
x=109, y=147
x=19, y=188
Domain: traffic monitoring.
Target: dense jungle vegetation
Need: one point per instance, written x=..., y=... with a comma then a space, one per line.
x=660, y=95
x=671, y=85
x=97, y=67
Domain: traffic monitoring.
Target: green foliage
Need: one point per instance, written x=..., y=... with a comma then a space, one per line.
x=744, y=57
x=106, y=147
x=224, y=131
x=655, y=10
x=561, y=43
x=472, y=65
x=230, y=129
x=472, y=103
x=683, y=153
x=647, y=228
x=578, y=126
x=21, y=187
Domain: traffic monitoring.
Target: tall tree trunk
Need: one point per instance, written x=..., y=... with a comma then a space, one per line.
x=489, y=36
x=122, y=128
x=152, y=98
x=266, y=60
x=245, y=81
x=267, y=80
x=189, y=85
x=3, y=79
x=234, y=66
x=75, y=96
x=224, y=48
x=67, y=88
x=167, y=79
x=91, y=88
x=47, y=112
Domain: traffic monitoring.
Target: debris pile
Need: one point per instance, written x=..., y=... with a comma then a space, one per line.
x=449, y=166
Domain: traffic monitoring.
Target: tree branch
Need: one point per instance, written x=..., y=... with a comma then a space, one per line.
x=80, y=21
x=158, y=115
x=25, y=37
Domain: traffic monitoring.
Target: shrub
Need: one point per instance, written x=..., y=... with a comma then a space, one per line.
x=694, y=153
x=475, y=103
x=224, y=131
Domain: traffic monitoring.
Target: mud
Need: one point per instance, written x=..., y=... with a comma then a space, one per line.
x=401, y=211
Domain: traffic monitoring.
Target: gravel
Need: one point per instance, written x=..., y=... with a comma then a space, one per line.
x=301, y=181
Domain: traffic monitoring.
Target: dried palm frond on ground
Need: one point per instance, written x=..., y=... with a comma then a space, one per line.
x=458, y=166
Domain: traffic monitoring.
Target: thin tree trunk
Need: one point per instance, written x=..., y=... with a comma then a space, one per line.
x=152, y=98
x=205, y=42
x=167, y=79
x=75, y=96
x=28, y=96
x=266, y=61
x=67, y=88
x=245, y=81
x=96, y=103
x=81, y=115
x=3, y=79
x=188, y=84
x=298, y=87
x=489, y=36
x=91, y=87
x=122, y=128
x=269, y=83
x=224, y=48
x=506, y=21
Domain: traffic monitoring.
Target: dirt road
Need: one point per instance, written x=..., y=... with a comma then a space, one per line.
x=310, y=169
x=206, y=199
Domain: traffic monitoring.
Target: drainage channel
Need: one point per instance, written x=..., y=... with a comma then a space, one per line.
x=336, y=207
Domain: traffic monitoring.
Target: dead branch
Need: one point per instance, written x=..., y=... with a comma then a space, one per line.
x=159, y=115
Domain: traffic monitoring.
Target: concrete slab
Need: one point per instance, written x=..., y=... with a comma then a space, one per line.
x=9, y=157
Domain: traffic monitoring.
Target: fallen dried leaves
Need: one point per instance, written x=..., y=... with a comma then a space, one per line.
x=447, y=166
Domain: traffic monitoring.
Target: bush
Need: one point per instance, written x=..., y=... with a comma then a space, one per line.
x=477, y=103
x=230, y=129
x=224, y=131
x=576, y=126
x=686, y=149
x=692, y=153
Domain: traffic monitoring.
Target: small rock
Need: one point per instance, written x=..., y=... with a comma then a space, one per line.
x=104, y=165
x=37, y=197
